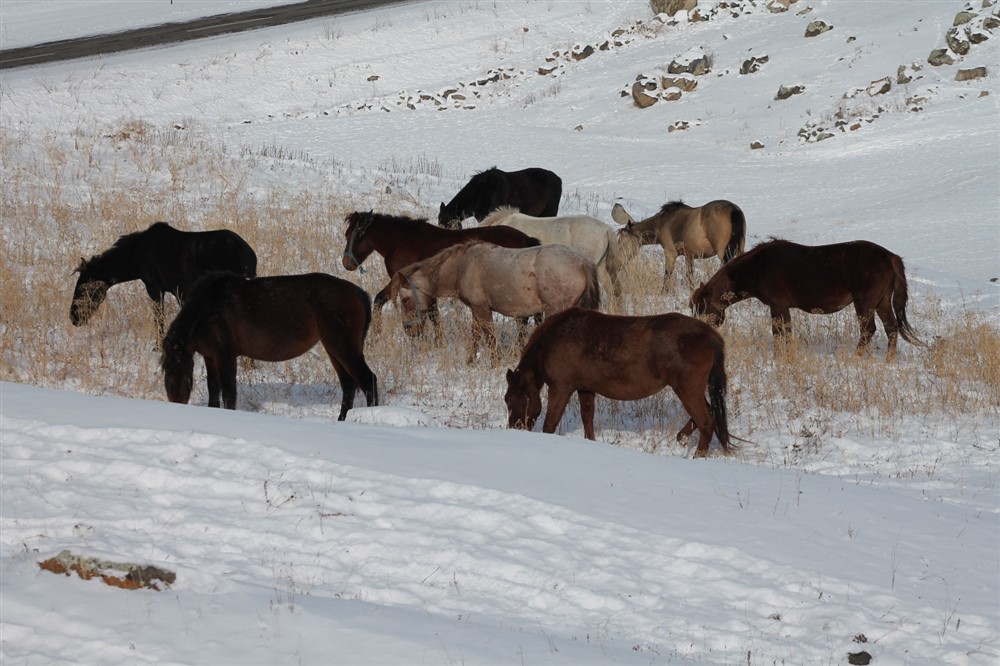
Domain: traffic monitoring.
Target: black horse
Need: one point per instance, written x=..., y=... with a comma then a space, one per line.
x=268, y=319
x=165, y=259
x=532, y=191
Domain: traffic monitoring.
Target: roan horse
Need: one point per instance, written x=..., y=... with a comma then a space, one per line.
x=532, y=191
x=717, y=229
x=622, y=358
x=269, y=319
x=818, y=279
x=403, y=241
x=488, y=278
x=592, y=238
x=165, y=259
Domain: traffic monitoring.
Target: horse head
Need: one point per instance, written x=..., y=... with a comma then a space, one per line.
x=88, y=294
x=448, y=218
x=411, y=302
x=178, y=370
x=523, y=398
x=706, y=305
x=355, y=249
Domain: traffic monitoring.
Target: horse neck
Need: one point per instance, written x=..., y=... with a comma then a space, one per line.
x=117, y=264
x=646, y=232
x=438, y=278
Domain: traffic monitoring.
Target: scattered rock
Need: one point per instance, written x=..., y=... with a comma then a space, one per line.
x=970, y=74
x=752, y=65
x=585, y=52
x=679, y=125
x=671, y=7
x=859, y=658
x=134, y=576
x=671, y=94
x=685, y=82
x=939, y=57
x=373, y=77
x=957, y=41
x=963, y=17
x=695, y=61
x=756, y=145
x=817, y=28
x=901, y=77
x=879, y=86
x=639, y=96
x=778, y=6
x=785, y=92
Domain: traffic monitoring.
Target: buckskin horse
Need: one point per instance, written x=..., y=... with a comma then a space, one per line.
x=819, y=279
x=166, y=259
x=268, y=319
x=532, y=191
x=717, y=229
x=517, y=282
x=622, y=358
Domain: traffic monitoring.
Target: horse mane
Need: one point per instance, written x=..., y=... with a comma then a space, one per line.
x=205, y=297
x=127, y=242
x=770, y=241
x=485, y=173
x=359, y=217
x=498, y=215
x=432, y=264
x=671, y=206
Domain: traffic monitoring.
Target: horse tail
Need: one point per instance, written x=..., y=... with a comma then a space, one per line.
x=614, y=261
x=591, y=296
x=899, y=298
x=532, y=242
x=738, y=235
x=249, y=261
x=717, y=394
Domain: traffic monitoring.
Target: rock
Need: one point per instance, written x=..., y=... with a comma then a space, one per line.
x=785, y=93
x=901, y=76
x=939, y=57
x=586, y=52
x=639, y=96
x=879, y=86
x=671, y=94
x=752, y=65
x=957, y=41
x=756, y=145
x=547, y=70
x=970, y=74
x=671, y=7
x=686, y=83
x=695, y=61
x=817, y=28
x=963, y=17
x=862, y=658
x=778, y=6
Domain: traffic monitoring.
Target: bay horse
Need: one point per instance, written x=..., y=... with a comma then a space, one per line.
x=269, y=319
x=403, y=241
x=717, y=229
x=818, y=279
x=622, y=358
x=166, y=259
x=517, y=282
x=592, y=238
x=532, y=191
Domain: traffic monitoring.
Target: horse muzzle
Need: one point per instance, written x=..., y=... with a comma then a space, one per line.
x=349, y=263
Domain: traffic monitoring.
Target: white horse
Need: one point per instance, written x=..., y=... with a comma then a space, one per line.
x=587, y=235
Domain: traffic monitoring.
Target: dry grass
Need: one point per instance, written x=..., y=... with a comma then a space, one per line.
x=68, y=196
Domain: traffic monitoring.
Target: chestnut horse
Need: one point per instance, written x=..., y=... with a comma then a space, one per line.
x=269, y=319
x=403, y=241
x=165, y=259
x=622, y=358
x=532, y=191
x=717, y=229
x=516, y=282
x=819, y=279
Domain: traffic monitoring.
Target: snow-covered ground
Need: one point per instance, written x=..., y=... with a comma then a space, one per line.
x=391, y=539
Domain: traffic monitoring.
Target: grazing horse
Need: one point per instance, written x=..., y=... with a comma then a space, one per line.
x=592, y=238
x=165, y=259
x=269, y=319
x=622, y=358
x=489, y=278
x=818, y=279
x=717, y=229
x=532, y=191
x=403, y=241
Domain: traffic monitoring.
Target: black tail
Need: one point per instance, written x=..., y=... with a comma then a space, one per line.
x=533, y=242
x=737, y=239
x=591, y=296
x=899, y=298
x=717, y=396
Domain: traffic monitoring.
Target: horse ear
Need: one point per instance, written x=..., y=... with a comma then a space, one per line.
x=82, y=267
x=510, y=375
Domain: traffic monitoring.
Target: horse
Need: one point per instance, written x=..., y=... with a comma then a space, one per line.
x=622, y=358
x=532, y=191
x=489, y=278
x=716, y=229
x=166, y=259
x=818, y=279
x=403, y=241
x=592, y=238
x=270, y=319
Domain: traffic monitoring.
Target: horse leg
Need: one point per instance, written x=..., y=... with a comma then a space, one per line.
x=889, y=323
x=693, y=399
x=381, y=298
x=669, y=259
x=866, y=322
x=348, y=388
x=482, y=332
x=227, y=375
x=212, y=377
x=586, y=412
x=558, y=399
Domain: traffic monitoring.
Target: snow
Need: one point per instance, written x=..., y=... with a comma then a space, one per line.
x=392, y=538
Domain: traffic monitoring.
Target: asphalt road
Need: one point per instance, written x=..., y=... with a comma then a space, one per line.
x=168, y=33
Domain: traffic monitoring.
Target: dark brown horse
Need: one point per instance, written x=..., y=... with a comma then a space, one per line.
x=717, y=229
x=818, y=279
x=269, y=319
x=167, y=260
x=403, y=241
x=622, y=358
x=532, y=191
